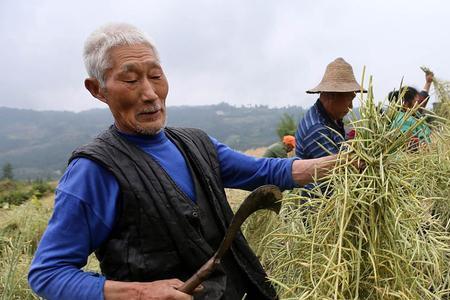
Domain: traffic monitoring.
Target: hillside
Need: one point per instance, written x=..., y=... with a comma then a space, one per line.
x=38, y=143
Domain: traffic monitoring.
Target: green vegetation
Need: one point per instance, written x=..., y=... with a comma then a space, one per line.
x=15, y=192
x=8, y=172
x=20, y=231
x=21, y=228
x=23, y=218
x=286, y=126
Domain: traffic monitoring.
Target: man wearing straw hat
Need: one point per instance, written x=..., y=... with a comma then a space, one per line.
x=321, y=130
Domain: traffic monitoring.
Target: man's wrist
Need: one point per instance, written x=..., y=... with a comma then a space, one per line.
x=305, y=171
x=115, y=290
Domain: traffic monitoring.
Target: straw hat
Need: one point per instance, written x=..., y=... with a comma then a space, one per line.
x=338, y=78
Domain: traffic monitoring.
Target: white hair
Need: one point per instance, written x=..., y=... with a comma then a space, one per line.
x=101, y=41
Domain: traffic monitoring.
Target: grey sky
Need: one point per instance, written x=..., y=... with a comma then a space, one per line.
x=241, y=52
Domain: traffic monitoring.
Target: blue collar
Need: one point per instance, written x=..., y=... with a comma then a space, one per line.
x=144, y=140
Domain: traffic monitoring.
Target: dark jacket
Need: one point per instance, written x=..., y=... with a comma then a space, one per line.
x=159, y=232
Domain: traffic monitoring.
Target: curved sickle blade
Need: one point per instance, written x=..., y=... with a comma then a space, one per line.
x=264, y=197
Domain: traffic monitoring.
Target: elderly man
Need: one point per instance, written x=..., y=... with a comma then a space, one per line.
x=149, y=199
x=321, y=130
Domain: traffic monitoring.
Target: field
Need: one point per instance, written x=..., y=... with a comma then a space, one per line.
x=22, y=226
x=20, y=230
x=377, y=231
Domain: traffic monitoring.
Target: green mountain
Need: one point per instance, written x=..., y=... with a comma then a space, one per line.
x=38, y=143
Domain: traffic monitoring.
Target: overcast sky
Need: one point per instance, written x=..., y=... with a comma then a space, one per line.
x=241, y=52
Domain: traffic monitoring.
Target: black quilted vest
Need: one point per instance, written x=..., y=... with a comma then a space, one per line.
x=159, y=232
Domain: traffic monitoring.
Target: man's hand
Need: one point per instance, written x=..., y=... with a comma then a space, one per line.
x=305, y=170
x=161, y=289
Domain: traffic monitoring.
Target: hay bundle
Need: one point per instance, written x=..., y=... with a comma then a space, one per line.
x=435, y=177
x=371, y=234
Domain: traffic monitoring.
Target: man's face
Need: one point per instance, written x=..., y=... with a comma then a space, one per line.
x=340, y=104
x=136, y=90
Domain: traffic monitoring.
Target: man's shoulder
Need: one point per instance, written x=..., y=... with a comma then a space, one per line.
x=312, y=118
x=316, y=131
x=189, y=131
x=82, y=166
x=191, y=136
x=196, y=141
x=312, y=122
x=83, y=173
x=94, y=147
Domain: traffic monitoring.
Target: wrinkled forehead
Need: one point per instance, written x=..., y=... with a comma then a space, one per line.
x=131, y=58
x=139, y=65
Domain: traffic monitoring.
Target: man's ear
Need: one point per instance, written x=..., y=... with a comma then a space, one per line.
x=93, y=86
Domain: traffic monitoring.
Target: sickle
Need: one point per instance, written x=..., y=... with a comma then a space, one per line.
x=264, y=197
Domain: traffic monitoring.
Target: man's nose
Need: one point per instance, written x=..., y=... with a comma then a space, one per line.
x=148, y=90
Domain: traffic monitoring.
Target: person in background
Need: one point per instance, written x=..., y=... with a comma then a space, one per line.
x=412, y=99
x=281, y=148
x=149, y=199
x=422, y=96
x=321, y=130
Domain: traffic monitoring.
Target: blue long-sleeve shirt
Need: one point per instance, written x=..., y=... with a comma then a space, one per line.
x=85, y=210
